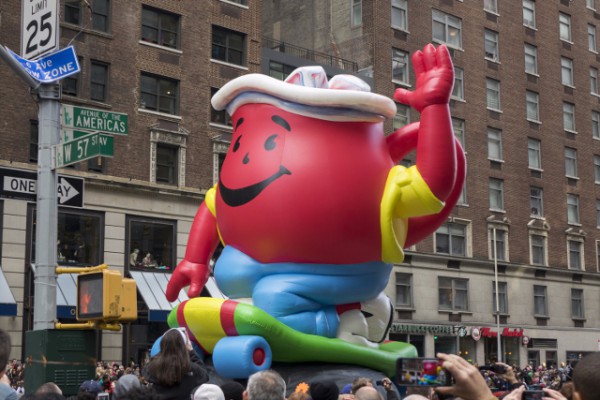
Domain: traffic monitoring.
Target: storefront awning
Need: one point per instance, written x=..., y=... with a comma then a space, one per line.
x=152, y=287
x=8, y=305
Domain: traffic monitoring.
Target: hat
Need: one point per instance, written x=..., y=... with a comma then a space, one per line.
x=125, y=384
x=346, y=389
x=90, y=386
x=233, y=390
x=208, y=391
x=324, y=390
x=306, y=91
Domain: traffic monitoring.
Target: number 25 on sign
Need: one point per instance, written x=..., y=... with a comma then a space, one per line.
x=39, y=34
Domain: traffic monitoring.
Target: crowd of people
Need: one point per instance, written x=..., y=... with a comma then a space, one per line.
x=176, y=373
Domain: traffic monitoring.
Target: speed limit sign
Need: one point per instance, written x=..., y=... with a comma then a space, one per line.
x=39, y=30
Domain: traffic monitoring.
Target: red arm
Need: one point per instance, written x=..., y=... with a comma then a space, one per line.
x=193, y=270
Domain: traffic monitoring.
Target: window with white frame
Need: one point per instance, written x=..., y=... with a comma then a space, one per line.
x=167, y=163
x=532, y=100
x=529, y=13
x=598, y=255
x=458, y=125
x=453, y=294
x=491, y=45
x=491, y=6
x=493, y=94
x=400, y=66
x=496, y=191
x=590, y=4
x=402, y=116
x=577, y=308
x=538, y=249
x=597, y=213
x=447, y=29
x=571, y=162
x=536, y=201
x=404, y=293
x=458, y=91
x=168, y=155
x=451, y=238
x=575, y=245
x=500, y=244
x=540, y=302
x=534, y=153
x=594, y=80
x=596, y=124
x=531, y=59
x=564, y=26
x=494, y=144
x=566, y=68
x=502, y=297
x=572, y=209
x=462, y=199
x=356, y=17
x=569, y=116
x=596, y=169
x=591, y=38
x=399, y=14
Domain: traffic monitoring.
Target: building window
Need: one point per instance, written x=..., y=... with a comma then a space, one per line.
x=596, y=124
x=575, y=254
x=404, y=295
x=451, y=238
x=564, y=23
x=152, y=243
x=569, y=116
x=70, y=84
x=159, y=93
x=533, y=106
x=577, y=309
x=356, y=11
x=228, y=46
x=101, y=15
x=97, y=164
x=33, y=141
x=462, y=198
x=598, y=255
x=536, y=201
x=496, y=188
x=402, y=116
x=491, y=6
x=458, y=91
x=399, y=14
x=491, y=45
x=160, y=27
x=529, y=13
x=534, y=153
x=494, y=144
x=594, y=80
x=566, y=67
x=73, y=12
x=459, y=130
x=493, y=94
x=453, y=294
x=218, y=117
x=531, y=59
x=502, y=297
x=572, y=209
x=167, y=164
x=590, y=4
x=499, y=244
x=540, y=305
x=571, y=162
x=98, y=81
x=279, y=70
x=596, y=168
x=592, y=38
x=447, y=29
x=400, y=66
x=597, y=213
x=538, y=249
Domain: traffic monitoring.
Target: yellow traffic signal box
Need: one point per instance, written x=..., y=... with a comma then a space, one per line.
x=105, y=296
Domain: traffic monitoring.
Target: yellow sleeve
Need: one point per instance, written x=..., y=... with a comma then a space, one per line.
x=209, y=200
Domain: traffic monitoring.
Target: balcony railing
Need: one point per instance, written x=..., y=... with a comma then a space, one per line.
x=316, y=56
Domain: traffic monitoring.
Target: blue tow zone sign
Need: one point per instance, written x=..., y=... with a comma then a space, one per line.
x=52, y=67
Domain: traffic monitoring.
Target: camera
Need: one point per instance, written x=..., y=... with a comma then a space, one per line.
x=533, y=395
x=496, y=368
x=103, y=396
x=421, y=372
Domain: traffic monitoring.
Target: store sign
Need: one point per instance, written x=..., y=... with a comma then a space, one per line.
x=506, y=332
x=422, y=329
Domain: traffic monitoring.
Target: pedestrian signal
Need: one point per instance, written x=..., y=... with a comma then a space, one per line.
x=106, y=296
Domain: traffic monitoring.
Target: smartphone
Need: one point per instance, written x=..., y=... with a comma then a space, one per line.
x=421, y=372
x=103, y=396
x=533, y=395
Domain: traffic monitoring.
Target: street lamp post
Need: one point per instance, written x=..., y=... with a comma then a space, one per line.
x=498, y=337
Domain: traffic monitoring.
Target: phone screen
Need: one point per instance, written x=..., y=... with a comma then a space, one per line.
x=533, y=395
x=421, y=372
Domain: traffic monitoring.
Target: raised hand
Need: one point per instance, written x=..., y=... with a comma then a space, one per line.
x=435, y=78
x=187, y=273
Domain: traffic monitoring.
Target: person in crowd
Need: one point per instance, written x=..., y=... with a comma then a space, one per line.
x=265, y=385
x=233, y=390
x=469, y=384
x=141, y=393
x=208, y=391
x=386, y=383
x=89, y=390
x=6, y=391
x=367, y=393
x=567, y=390
x=48, y=387
x=359, y=382
x=586, y=378
x=124, y=384
x=324, y=390
x=176, y=369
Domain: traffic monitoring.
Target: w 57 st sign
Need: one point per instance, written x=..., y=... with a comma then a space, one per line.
x=39, y=34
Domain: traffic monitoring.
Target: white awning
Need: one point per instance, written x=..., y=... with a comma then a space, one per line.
x=8, y=305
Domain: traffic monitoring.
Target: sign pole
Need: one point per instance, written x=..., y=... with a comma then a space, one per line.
x=44, y=312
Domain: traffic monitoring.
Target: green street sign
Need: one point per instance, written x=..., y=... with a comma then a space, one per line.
x=83, y=148
x=91, y=119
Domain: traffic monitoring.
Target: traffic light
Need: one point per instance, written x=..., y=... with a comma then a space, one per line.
x=105, y=296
